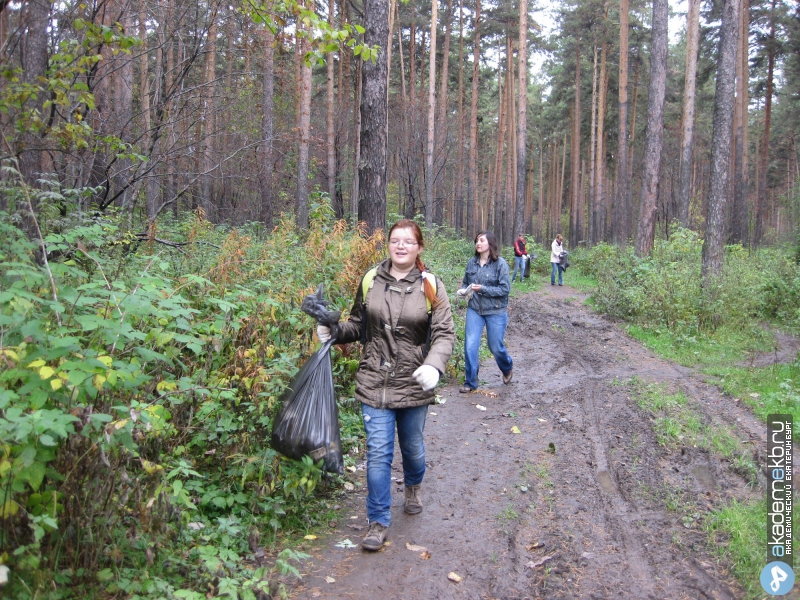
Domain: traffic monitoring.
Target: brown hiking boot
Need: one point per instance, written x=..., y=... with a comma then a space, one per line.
x=507, y=376
x=413, y=504
x=376, y=536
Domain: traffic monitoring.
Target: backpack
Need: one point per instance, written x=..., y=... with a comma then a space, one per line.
x=366, y=285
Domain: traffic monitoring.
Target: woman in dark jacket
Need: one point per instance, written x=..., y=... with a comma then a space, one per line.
x=487, y=283
x=408, y=338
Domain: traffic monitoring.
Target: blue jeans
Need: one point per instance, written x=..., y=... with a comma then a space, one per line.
x=519, y=264
x=379, y=423
x=495, y=332
x=553, y=274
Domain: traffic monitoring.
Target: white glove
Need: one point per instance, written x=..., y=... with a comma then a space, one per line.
x=323, y=333
x=427, y=376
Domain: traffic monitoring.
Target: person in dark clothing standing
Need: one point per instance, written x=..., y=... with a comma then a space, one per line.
x=487, y=285
x=519, y=257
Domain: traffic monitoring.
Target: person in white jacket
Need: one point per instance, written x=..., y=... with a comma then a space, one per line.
x=556, y=249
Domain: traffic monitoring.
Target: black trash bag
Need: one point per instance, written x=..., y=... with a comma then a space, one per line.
x=316, y=306
x=308, y=422
x=563, y=261
x=526, y=272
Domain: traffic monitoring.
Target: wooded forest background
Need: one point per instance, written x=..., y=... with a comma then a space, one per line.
x=249, y=109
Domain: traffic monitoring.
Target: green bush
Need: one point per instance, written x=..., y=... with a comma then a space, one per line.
x=137, y=388
x=665, y=289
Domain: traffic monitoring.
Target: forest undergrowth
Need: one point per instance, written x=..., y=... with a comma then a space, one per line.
x=138, y=382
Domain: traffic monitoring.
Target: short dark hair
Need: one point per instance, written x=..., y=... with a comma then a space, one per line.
x=492, y=241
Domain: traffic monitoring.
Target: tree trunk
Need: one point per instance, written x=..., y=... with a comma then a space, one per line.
x=304, y=134
x=562, y=181
x=600, y=157
x=34, y=21
x=459, y=193
x=622, y=204
x=429, y=174
x=713, y=246
x=441, y=120
x=740, y=222
x=207, y=176
x=687, y=137
x=473, y=126
x=355, y=195
x=655, y=128
x=144, y=104
x=338, y=209
x=593, y=152
x=763, y=161
x=575, y=223
x=522, y=118
x=267, y=116
x=372, y=163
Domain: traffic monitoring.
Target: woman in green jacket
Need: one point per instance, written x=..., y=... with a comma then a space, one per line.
x=408, y=336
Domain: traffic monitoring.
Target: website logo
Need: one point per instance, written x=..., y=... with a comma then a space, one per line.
x=777, y=578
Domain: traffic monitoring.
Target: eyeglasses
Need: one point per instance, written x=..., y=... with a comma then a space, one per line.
x=403, y=243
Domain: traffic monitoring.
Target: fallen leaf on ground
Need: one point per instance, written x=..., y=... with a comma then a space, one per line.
x=479, y=407
x=542, y=420
x=330, y=579
x=515, y=429
x=310, y=537
x=346, y=543
x=535, y=546
x=415, y=548
x=439, y=400
x=454, y=577
x=351, y=468
x=539, y=562
x=425, y=555
x=349, y=486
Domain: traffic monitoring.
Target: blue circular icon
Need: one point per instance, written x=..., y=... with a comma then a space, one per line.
x=777, y=578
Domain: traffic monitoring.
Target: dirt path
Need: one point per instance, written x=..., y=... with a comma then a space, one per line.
x=575, y=505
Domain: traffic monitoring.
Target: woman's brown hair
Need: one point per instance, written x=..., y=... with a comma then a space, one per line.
x=430, y=293
x=492, y=241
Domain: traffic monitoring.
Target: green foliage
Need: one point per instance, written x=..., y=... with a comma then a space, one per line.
x=767, y=390
x=737, y=533
x=664, y=290
x=136, y=401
